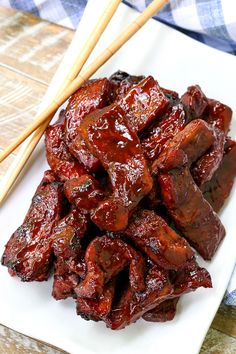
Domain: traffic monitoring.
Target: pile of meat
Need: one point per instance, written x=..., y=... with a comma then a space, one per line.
x=137, y=177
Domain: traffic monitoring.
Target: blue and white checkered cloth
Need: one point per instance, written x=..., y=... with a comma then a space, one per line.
x=212, y=22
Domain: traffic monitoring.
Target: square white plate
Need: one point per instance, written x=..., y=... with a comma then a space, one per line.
x=176, y=62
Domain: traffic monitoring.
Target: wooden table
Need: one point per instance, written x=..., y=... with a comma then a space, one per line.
x=30, y=51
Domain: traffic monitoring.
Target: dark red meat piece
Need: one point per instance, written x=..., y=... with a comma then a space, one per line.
x=96, y=309
x=195, y=102
x=132, y=305
x=111, y=140
x=122, y=82
x=171, y=124
x=196, y=138
x=186, y=280
x=191, y=213
x=105, y=258
x=68, y=252
x=84, y=192
x=191, y=278
x=152, y=235
x=217, y=190
x=93, y=95
x=29, y=250
x=205, y=167
x=165, y=311
x=143, y=103
x=219, y=115
x=64, y=283
x=59, y=158
x=153, y=199
x=79, y=149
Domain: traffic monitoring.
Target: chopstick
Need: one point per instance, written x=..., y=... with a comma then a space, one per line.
x=69, y=76
x=120, y=40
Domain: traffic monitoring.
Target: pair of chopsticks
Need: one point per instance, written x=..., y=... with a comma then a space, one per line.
x=73, y=80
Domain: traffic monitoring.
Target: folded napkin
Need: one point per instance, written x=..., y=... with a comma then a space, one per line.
x=212, y=22
x=230, y=294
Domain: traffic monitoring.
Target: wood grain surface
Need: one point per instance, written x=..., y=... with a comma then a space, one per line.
x=30, y=51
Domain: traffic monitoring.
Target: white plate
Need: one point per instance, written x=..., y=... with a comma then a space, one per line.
x=176, y=62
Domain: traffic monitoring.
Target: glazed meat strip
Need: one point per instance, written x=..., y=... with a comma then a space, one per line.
x=181, y=196
x=132, y=305
x=112, y=141
x=194, y=140
x=193, y=105
x=164, y=312
x=105, y=258
x=219, y=115
x=152, y=235
x=143, y=103
x=186, y=280
x=28, y=252
x=217, y=190
x=192, y=214
x=59, y=158
x=81, y=152
x=196, y=105
x=204, y=169
x=160, y=136
x=68, y=267
x=195, y=102
x=96, y=309
x=190, y=278
x=121, y=83
x=171, y=124
x=118, y=85
x=153, y=199
x=96, y=94
x=92, y=95
x=84, y=192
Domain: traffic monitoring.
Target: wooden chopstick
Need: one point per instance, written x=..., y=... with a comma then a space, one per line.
x=69, y=76
x=86, y=74
x=94, y=37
